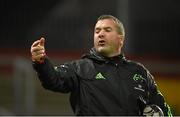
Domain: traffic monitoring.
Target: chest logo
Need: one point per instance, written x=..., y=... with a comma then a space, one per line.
x=137, y=77
x=99, y=76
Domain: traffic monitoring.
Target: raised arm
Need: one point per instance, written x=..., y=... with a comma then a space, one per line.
x=60, y=78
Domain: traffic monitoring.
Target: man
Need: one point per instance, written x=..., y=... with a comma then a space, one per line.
x=102, y=82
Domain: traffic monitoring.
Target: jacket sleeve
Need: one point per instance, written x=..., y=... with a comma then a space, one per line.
x=56, y=78
x=155, y=96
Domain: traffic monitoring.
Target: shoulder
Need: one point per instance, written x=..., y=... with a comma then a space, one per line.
x=84, y=68
x=83, y=65
x=83, y=62
x=141, y=70
x=136, y=66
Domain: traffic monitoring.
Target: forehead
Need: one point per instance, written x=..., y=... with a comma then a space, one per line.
x=105, y=23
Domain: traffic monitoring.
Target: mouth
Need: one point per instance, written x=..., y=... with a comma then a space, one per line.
x=101, y=43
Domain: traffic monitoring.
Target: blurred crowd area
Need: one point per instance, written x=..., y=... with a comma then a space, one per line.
x=152, y=38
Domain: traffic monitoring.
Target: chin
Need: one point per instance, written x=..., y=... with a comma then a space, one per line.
x=102, y=50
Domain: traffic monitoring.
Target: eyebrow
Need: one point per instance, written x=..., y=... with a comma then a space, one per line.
x=98, y=28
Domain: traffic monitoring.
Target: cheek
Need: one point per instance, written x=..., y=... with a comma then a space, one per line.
x=115, y=41
x=95, y=40
x=118, y=42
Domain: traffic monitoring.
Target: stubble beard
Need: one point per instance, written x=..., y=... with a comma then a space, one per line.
x=103, y=51
x=108, y=51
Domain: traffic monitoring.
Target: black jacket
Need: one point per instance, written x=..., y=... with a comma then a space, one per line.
x=103, y=86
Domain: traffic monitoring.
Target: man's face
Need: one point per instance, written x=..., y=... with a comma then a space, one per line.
x=107, y=41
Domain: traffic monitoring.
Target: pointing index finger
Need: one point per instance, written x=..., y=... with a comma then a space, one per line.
x=42, y=41
x=35, y=43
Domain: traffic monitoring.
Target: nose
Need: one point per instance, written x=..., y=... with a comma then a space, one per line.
x=101, y=34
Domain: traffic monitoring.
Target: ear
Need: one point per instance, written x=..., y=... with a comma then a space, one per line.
x=121, y=37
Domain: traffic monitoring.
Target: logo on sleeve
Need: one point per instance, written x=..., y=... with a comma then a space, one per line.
x=99, y=76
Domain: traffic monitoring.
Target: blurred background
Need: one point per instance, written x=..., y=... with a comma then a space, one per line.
x=152, y=38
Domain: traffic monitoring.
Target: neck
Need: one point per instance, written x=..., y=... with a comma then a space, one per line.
x=110, y=55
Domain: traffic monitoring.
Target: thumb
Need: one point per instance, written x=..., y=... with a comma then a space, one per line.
x=42, y=41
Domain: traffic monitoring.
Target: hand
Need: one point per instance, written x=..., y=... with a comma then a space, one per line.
x=153, y=111
x=38, y=51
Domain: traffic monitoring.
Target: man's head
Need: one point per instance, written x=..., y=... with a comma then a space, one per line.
x=108, y=36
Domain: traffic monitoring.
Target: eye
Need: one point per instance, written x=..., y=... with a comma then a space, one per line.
x=108, y=29
x=97, y=30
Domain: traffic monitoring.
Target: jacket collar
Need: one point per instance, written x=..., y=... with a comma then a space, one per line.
x=93, y=54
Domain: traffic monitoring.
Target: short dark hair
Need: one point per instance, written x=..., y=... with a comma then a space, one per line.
x=119, y=24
